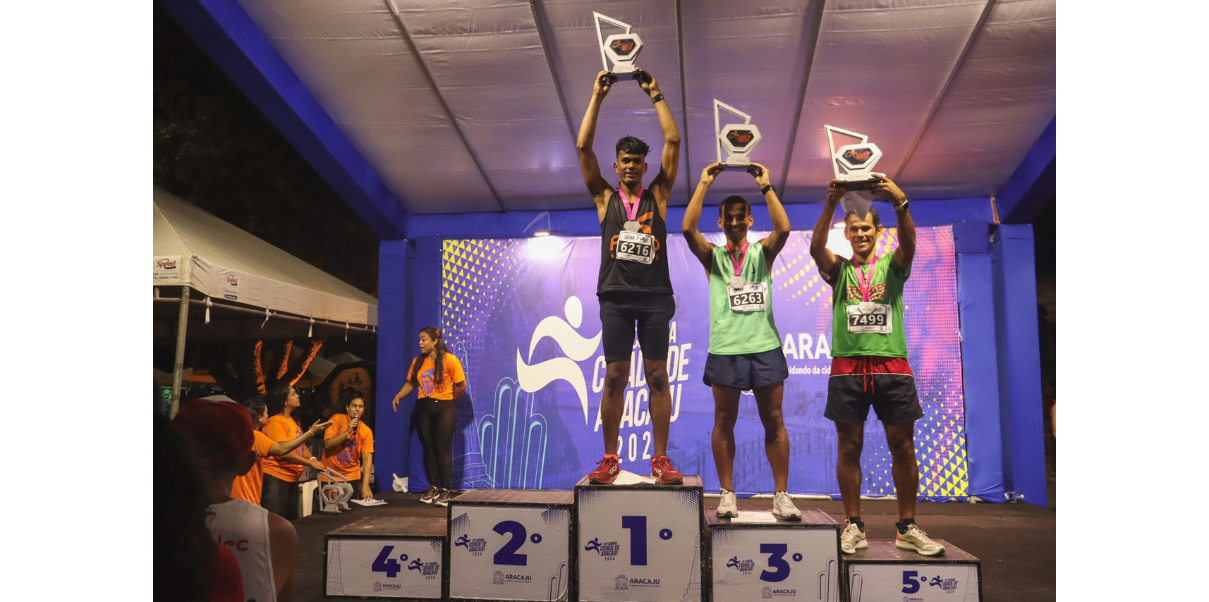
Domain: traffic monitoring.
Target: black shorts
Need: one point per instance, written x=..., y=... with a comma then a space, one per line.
x=886, y=383
x=620, y=312
x=746, y=371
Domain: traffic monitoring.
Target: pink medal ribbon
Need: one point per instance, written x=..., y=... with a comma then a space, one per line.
x=737, y=281
x=866, y=283
x=630, y=211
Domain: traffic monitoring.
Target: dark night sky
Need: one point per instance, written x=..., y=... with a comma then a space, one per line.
x=215, y=149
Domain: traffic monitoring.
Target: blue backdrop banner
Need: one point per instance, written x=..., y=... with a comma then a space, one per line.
x=522, y=316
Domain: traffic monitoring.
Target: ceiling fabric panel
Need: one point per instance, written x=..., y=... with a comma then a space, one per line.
x=472, y=105
x=626, y=111
x=999, y=104
x=487, y=60
x=353, y=58
x=879, y=69
x=751, y=56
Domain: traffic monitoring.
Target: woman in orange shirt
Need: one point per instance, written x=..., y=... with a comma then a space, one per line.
x=348, y=446
x=280, y=491
x=436, y=413
x=247, y=487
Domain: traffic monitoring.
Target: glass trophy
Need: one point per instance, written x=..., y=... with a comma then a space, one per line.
x=739, y=139
x=853, y=163
x=621, y=49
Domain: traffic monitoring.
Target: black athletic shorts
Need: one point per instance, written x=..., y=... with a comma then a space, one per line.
x=621, y=312
x=746, y=371
x=886, y=383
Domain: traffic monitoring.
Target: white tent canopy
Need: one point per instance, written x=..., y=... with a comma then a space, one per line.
x=219, y=260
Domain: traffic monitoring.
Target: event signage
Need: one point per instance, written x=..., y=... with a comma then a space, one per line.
x=639, y=545
x=620, y=49
x=167, y=268
x=775, y=564
x=737, y=139
x=522, y=316
x=384, y=568
x=509, y=553
x=913, y=582
x=853, y=163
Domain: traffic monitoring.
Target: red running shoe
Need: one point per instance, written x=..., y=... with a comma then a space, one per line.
x=606, y=471
x=661, y=468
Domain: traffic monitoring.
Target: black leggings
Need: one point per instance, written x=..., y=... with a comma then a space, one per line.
x=435, y=422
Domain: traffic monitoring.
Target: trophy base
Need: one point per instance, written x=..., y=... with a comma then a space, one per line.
x=624, y=76
x=869, y=184
x=736, y=166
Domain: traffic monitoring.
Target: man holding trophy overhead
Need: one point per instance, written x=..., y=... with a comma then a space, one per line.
x=634, y=287
x=869, y=347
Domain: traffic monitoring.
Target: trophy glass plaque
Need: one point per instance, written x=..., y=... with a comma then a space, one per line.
x=853, y=163
x=621, y=49
x=739, y=139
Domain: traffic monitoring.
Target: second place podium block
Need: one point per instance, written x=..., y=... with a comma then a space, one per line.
x=639, y=543
x=510, y=545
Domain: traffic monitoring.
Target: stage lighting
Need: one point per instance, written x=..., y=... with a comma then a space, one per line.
x=541, y=233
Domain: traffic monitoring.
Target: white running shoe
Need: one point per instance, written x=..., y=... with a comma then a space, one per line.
x=783, y=508
x=727, y=507
x=430, y=495
x=917, y=541
x=852, y=539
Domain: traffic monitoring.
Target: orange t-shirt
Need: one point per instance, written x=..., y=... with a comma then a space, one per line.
x=453, y=374
x=347, y=459
x=280, y=429
x=249, y=486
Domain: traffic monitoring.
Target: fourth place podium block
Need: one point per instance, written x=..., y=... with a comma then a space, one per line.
x=386, y=557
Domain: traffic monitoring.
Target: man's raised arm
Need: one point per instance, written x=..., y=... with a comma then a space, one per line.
x=597, y=186
x=701, y=248
x=890, y=191
x=669, y=162
x=823, y=257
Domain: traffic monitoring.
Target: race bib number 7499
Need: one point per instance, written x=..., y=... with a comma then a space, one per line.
x=878, y=319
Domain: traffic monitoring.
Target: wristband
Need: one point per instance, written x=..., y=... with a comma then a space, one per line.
x=655, y=99
x=765, y=189
x=902, y=207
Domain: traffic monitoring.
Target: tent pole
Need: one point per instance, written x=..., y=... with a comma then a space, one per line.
x=178, y=368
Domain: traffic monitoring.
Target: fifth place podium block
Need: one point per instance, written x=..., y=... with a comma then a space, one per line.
x=636, y=542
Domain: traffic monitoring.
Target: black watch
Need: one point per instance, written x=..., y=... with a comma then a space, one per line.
x=656, y=98
x=765, y=189
x=902, y=207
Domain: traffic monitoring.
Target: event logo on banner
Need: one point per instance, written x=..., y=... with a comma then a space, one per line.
x=522, y=315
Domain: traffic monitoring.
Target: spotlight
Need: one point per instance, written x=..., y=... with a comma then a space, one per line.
x=541, y=233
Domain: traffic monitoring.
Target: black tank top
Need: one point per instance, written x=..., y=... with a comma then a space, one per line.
x=632, y=276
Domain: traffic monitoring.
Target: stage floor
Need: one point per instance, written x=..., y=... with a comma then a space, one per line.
x=1016, y=542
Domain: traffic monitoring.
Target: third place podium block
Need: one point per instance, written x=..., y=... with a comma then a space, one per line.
x=757, y=557
x=639, y=543
x=884, y=573
x=510, y=545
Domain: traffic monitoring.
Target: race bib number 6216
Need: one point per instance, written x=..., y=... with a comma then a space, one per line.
x=635, y=246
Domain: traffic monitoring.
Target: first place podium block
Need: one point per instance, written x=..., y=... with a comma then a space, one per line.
x=757, y=557
x=639, y=543
x=885, y=573
x=386, y=557
x=510, y=545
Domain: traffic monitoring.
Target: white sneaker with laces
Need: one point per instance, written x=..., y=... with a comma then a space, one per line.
x=852, y=539
x=783, y=508
x=727, y=506
x=917, y=541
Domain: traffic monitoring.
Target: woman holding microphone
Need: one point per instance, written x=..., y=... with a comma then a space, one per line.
x=348, y=446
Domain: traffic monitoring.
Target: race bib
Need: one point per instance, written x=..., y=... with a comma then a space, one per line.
x=752, y=297
x=635, y=246
x=877, y=319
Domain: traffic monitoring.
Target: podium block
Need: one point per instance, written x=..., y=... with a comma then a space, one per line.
x=757, y=557
x=510, y=545
x=639, y=543
x=386, y=557
x=885, y=573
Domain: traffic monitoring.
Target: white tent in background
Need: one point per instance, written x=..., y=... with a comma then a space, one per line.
x=233, y=269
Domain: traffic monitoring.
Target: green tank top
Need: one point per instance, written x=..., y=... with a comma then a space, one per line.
x=731, y=332
x=888, y=280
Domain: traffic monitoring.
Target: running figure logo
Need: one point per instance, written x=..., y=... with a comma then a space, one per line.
x=533, y=378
